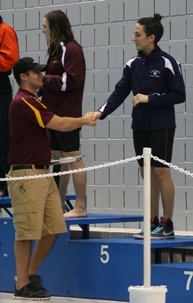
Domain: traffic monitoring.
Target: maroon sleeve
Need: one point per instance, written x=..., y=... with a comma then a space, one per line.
x=73, y=70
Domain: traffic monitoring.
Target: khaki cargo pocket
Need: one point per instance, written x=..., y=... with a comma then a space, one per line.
x=25, y=219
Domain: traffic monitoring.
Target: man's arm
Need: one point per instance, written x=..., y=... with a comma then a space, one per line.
x=67, y=124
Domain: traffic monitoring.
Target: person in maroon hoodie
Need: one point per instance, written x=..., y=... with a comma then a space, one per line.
x=62, y=93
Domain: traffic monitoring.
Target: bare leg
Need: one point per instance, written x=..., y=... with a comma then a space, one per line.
x=166, y=186
x=79, y=181
x=42, y=249
x=64, y=180
x=155, y=194
x=22, y=251
x=63, y=184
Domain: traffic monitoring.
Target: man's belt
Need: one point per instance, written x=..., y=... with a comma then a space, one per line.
x=29, y=166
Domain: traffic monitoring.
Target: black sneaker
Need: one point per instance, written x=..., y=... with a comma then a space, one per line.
x=31, y=292
x=37, y=281
x=165, y=229
x=154, y=224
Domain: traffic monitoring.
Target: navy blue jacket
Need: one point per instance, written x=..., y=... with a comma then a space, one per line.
x=157, y=75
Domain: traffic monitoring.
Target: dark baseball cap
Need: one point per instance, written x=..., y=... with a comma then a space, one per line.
x=25, y=64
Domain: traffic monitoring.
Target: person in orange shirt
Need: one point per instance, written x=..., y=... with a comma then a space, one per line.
x=9, y=54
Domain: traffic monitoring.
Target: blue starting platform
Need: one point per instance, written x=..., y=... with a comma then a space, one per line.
x=105, y=268
x=100, y=268
x=178, y=277
x=83, y=222
x=93, y=218
x=56, y=263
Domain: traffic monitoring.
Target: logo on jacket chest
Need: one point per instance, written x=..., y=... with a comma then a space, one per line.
x=155, y=73
x=55, y=61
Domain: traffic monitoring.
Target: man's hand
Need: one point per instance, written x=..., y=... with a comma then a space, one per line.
x=139, y=98
x=96, y=115
x=89, y=116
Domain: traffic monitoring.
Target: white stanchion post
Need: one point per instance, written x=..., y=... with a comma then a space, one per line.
x=147, y=213
x=147, y=293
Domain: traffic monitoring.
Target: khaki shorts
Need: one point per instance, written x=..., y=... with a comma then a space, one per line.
x=36, y=205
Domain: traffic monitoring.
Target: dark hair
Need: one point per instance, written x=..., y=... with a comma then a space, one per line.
x=60, y=30
x=152, y=26
x=18, y=79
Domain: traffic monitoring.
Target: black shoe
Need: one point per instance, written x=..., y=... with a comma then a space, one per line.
x=154, y=224
x=165, y=229
x=37, y=282
x=31, y=292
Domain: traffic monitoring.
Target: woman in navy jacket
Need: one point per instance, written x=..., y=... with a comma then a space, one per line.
x=157, y=84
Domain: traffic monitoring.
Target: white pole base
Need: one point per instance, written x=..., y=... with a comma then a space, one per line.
x=152, y=294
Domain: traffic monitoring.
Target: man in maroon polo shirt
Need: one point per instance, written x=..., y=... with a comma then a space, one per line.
x=36, y=203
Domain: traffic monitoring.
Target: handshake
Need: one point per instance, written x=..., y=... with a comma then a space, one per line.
x=92, y=117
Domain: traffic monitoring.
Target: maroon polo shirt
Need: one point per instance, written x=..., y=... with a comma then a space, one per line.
x=29, y=139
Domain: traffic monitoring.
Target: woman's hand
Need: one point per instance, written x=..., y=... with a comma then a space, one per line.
x=139, y=98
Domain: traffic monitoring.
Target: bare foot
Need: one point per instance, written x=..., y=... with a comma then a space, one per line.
x=76, y=212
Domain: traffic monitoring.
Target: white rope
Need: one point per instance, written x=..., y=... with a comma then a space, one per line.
x=175, y=167
x=72, y=171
